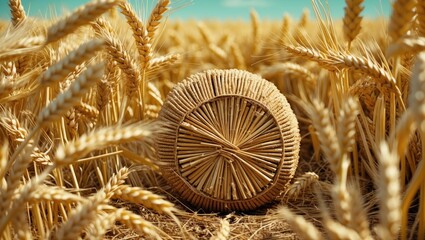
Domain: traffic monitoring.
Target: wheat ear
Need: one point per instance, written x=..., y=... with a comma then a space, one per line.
x=420, y=17
x=82, y=16
x=293, y=70
x=320, y=117
x=54, y=194
x=136, y=223
x=388, y=186
x=352, y=19
x=61, y=104
x=359, y=222
x=12, y=48
x=339, y=60
x=347, y=125
x=80, y=217
x=163, y=61
x=238, y=59
x=17, y=12
x=255, y=25
x=133, y=21
x=301, y=183
x=417, y=88
x=401, y=18
x=21, y=226
x=155, y=18
x=406, y=45
x=66, y=154
x=24, y=194
x=14, y=179
x=86, y=213
x=144, y=197
x=300, y=225
x=59, y=71
x=100, y=226
x=120, y=55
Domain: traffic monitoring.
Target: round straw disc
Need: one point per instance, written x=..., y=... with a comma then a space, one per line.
x=230, y=140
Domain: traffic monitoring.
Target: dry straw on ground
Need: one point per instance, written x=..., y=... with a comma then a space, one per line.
x=80, y=98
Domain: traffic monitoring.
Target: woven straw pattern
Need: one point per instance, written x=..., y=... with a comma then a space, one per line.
x=230, y=140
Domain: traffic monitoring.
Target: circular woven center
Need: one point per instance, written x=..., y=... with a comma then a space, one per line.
x=229, y=148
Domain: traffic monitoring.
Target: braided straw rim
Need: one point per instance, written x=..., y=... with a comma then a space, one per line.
x=230, y=140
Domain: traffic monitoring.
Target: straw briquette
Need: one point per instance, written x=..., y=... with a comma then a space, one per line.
x=230, y=140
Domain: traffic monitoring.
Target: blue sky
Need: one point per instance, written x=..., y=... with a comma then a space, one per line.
x=211, y=9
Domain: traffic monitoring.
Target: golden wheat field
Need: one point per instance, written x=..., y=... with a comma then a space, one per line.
x=118, y=126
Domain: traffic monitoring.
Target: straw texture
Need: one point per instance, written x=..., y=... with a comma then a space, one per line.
x=230, y=140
